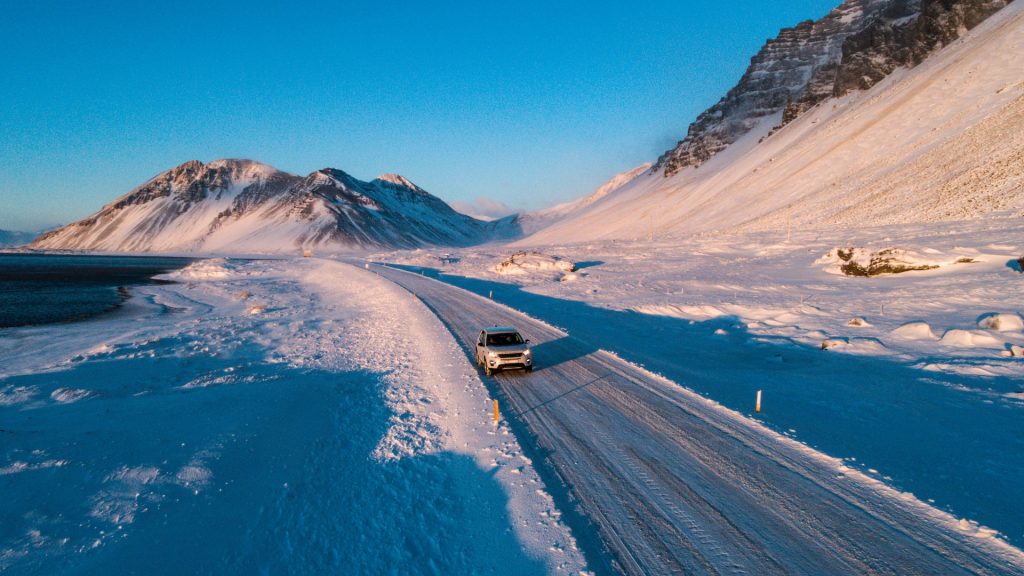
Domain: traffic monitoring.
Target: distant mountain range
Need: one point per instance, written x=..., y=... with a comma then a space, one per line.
x=11, y=238
x=882, y=112
x=246, y=206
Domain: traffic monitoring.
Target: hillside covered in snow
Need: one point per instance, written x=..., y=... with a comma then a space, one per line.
x=939, y=141
x=246, y=206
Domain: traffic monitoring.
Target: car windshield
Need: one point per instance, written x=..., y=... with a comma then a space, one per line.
x=504, y=339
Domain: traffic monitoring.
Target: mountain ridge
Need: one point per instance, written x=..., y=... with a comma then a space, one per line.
x=941, y=141
x=243, y=205
x=852, y=48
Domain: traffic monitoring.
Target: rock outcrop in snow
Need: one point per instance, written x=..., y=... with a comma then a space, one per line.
x=905, y=34
x=786, y=68
x=241, y=205
x=534, y=263
x=862, y=262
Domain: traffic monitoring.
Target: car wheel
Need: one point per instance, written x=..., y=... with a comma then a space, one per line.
x=529, y=369
x=488, y=371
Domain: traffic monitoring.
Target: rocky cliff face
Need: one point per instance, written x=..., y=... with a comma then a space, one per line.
x=241, y=205
x=778, y=75
x=907, y=33
x=851, y=48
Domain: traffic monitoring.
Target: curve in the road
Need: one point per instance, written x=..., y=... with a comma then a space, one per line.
x=676, y=484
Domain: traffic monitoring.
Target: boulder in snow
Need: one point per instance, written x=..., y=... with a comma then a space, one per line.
x=862, y=262
x=530, y=263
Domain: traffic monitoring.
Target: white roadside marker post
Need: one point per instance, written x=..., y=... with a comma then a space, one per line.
x=757, y=407
x=490, y=294
x=789, y=223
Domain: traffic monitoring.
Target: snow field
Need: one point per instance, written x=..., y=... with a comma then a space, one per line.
x=916, y=375
x=614, y=471
x=440, y=404
x=339, y=429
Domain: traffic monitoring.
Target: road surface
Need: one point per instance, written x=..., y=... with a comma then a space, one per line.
x=673, y=483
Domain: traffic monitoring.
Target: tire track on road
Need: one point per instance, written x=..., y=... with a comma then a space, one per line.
x=674, y=483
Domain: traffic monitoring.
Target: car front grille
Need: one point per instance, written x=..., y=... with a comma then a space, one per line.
x=510, y=355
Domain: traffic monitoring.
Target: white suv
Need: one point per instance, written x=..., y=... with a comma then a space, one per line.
x=501, y=347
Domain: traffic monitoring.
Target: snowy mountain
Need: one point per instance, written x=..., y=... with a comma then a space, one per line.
x=531, y=222
x=242, y=205
x=852, y=48
x=780, y=73
x=12, y=238
x=937, y=142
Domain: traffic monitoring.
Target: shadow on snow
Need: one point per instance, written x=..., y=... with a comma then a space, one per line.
x=951, y=438
x=268, y=471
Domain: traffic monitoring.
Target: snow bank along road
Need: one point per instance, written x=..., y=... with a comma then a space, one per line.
x=263, y=417
x=675, y=483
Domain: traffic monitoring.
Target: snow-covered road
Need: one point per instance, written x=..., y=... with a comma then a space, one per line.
x=262, y=417
x=675, y=483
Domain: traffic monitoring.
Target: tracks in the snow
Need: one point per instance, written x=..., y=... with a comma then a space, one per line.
x=675, y=484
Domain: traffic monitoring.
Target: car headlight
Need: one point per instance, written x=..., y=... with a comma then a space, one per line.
x=527, y=353
x=492, y=354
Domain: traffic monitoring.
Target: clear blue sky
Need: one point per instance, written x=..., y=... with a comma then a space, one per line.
x=524, y=102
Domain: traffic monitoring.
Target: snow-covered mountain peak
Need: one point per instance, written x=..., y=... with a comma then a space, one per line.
x=339, y=178
x=245, y=168
x=534, y=221
x=241, y=205
x=616, y=182
x=398, y=181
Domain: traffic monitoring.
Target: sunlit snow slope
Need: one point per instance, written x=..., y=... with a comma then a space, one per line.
x=942, y=141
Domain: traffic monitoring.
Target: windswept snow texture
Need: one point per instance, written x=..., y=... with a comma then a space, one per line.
x=941, y=142
x=242, y=206
x=339, y=431
x=916, y=379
